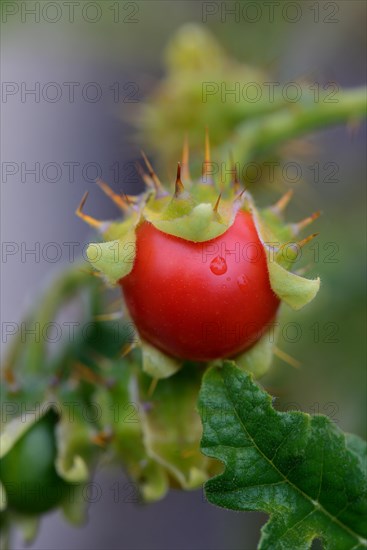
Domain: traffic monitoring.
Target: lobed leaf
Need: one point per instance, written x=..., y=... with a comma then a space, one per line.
x=300, y=469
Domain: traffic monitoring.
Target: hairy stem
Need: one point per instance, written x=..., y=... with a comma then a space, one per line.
x=255, y=137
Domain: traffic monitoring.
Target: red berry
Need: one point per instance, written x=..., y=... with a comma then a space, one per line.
x=200, y=301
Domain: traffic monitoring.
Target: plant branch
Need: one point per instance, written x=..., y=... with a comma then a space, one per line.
x=256, y=137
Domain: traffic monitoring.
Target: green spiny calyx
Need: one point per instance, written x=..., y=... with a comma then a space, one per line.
x=200, y=217
x=196, y=212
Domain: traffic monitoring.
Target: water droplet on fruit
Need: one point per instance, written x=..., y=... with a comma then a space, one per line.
x=242, y=282
x=228, y=279
x=218, y=266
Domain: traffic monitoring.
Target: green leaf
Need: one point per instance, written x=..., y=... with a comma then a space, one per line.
x=300, y=469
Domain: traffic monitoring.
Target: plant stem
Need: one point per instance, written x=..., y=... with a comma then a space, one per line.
x=255, y=137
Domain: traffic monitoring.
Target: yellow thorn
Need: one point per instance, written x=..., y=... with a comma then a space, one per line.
x=236, y=182
x=353, y=127
x=179, y=187
x=215, y=208
x=91, y=272
x=9, y=376
x=185, y=159
x=115, y=303
x=84, y=372
x=87, y=219
x=287, y=358
x=207, y=145
x=117, y=199
x=207, y=161
x=157, y=184
x=152, y=387
x=101, y=438
x=129, y=199
x=239, y=197
x=188, y=453
x=127, y=348
x=146, y=179
x=306, y=240
x=282, y=203
x=108, y=316
x=296, y=245
x=297, y=227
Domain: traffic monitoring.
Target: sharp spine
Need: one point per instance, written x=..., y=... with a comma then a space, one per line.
x=87, y=219
x=185, y=167
x=207, y=162
x=179, y=186
x=144, y=176
x=215, y=207
x=306, y=240
x=156, y=181
x=235, y=182
x=117, y=199
x=283, y=202
x=297, y=227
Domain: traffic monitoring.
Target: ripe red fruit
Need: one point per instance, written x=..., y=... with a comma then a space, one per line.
x=200, y=301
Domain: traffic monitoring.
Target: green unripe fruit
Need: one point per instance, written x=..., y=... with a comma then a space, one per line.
x=28, y=471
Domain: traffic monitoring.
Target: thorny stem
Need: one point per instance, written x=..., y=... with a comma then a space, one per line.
x=255, y=137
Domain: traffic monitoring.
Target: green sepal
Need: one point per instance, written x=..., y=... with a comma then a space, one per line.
x=280, y=236
x=75, y=471
x=121, y=417
x=203, y=192
x=158, y=364
x=116, y=230
x=294, y=290
x=28, y=526
x=172, y=427
x=199, y=225
x=74, y=507
x=114, y=259
x=287, y=255
x=258, y=359
x=178, y=207
x=273, y=226
x=73, y=435
x=155, y=484
x=75, y=452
